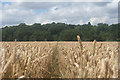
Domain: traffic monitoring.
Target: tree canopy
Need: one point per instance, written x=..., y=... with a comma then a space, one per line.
x=61, y=32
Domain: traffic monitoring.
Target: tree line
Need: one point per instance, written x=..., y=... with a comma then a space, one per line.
x=61, y=32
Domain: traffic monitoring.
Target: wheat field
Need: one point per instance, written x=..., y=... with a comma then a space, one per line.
x=59, y=59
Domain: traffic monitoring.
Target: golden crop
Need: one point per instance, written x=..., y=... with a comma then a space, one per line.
x=59, y=59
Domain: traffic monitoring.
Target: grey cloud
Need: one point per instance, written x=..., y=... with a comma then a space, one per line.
x=16, y=16
x=37, y=5
x=42, y=5
x=100, y=4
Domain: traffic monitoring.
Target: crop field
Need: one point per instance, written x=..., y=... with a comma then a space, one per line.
x=59, y=59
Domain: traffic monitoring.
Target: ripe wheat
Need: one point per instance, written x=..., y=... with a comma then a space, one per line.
x=59, y=59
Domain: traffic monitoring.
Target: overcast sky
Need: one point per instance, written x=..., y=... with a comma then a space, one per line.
x=14, y=13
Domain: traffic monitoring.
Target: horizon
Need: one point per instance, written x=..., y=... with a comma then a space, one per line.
x=55, y=23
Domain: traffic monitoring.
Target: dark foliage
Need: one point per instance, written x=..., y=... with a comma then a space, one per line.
x=61, y=32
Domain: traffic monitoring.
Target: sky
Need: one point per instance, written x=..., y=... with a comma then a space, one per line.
x=14, y=13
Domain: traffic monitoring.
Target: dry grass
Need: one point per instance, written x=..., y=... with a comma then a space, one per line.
x=59, y=59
